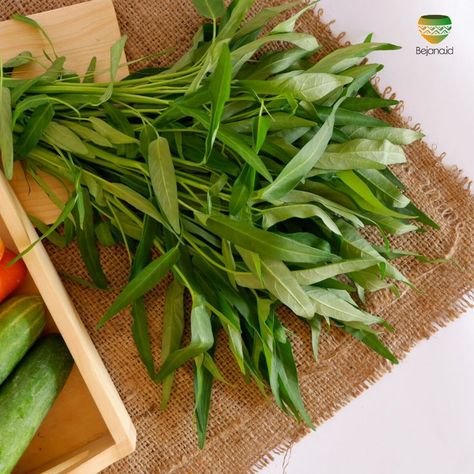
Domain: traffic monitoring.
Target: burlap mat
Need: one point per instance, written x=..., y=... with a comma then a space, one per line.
x=244, y=428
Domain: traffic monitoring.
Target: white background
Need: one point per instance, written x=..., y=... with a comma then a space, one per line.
x=419, y=419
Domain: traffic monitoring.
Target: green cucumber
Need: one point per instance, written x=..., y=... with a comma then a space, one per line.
x=22, y=321
x=28, y=395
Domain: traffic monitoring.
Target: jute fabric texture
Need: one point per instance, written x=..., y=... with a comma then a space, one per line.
x=245, y=429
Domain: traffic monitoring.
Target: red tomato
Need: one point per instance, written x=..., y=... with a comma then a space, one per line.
x=11, y=277
x=2, y=249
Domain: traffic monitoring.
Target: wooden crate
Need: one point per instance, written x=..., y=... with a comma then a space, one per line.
x=88, y=428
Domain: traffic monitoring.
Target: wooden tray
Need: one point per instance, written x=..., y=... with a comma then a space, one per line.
x=88, y=428
x=78, y=32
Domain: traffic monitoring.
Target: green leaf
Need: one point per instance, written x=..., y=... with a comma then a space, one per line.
x=361, y=75
x=262, y=17
x=371, y=340
x=353, y=245
x=50, y=75
x=210, y=365
x=287, y=26
x=25, y=57
x=119, y=121
x=103, y=232
x=242, y=189
x=398, y=136
x=302, y=162
x=274, y=63
x=302, y=40
x=311, y=276
x=287, y=374
x=273, y=215
x=361, y=153
x=140, y=330
x=163, y=180
x=29, y=103
x=233, y=18
x=142, y=283
x=315, y=325
x=280, y=282
x=147, y=135
x=274, y=123
x=6, y=136
x=57, y=239
x=349, y=117
x=116, y=52
x=64, y=138
x=86, y=133
x=327, y=304
x=202, y=338
x=231, y=139
x=361, y=189
x=89, y=76
x=203, y=380
x=363, y=104
x=132, y=198
x=173, y=327
x=86, y=240
x=344, y=58
x=141, y=335
x=219, y=90
x=33, y=23
x=336, y=208
x=385, y=186
x=260, y=128
x=212, y=9
x=264, y=243
x=304, y=86
x=65, y=213
x=110, y=133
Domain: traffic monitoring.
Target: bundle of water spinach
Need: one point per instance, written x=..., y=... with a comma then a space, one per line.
x=251, y=176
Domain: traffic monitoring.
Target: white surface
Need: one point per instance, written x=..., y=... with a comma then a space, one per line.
x=420, y=418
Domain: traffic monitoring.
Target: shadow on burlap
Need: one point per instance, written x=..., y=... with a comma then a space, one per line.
x=245, y=429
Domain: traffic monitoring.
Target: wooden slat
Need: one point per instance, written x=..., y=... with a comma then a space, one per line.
x=89, y=408
x=78, y=32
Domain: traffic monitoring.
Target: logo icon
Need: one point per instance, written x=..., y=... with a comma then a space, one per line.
x=434, y=28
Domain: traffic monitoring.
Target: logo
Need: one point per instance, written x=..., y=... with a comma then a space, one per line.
x=434, y=28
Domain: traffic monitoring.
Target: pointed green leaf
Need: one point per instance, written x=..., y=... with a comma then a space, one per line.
x=242, y=189
x=212, y=9
x=64, y=138
x=142, y=283
x=302, y=162
x=280, y=282
x=266, y=244
x=273, y=215
x=311, y=276
x=327, y=304
x=202, y=339
x=344, y=58
x=398, y=136
x=163, y=180
x=173, y=327
x=361, y=153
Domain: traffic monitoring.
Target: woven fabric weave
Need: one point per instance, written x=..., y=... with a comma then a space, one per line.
x=245, y=429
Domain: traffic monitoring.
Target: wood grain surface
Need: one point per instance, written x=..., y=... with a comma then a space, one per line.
x=78, y=32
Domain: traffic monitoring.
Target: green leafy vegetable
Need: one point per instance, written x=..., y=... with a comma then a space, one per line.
x=254, y=172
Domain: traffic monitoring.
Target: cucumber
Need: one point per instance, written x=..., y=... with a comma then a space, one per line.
x=22, y=321
x=28, y=395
